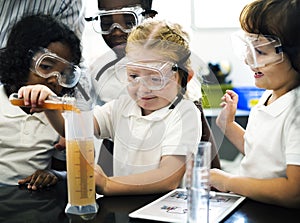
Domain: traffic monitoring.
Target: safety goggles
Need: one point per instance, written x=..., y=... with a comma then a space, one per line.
x=155, y=75
x=124, y=19
x=46, y=64
x=257, y=50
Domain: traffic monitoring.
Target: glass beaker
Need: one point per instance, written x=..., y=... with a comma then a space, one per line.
x=198, y=166
x=79, y=130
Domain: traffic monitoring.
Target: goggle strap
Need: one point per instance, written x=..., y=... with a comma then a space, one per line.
x=184, y=59
x=106, y=66
x=177, y=100
x=175, y=67
x=149, y=12
x=82, y=91
x=90, y=19
x=278, y=49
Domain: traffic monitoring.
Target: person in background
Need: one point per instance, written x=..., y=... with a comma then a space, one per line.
x=39, y=50
x=114, y=22
x=270, y=169
x=153, y=127
x=70, y=12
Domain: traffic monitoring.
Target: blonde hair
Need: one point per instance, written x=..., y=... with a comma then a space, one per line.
x=169, y=39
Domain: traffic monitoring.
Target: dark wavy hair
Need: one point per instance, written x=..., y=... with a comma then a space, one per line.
x=279, y=18
x=27, y=35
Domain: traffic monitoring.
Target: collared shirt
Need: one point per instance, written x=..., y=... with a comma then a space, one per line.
x=26, y=142
x=70, y=12
x=141, y=141
x=272, y=137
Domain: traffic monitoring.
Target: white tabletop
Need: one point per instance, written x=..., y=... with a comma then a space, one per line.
x=213, y=112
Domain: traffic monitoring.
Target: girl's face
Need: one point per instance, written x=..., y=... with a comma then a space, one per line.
x=152, y=89
x=280, y=77
x=62, y=51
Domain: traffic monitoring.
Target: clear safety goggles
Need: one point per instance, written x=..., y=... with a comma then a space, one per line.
x=46, y=64
x=124, y=19
x=155, y=75
x=257, y=50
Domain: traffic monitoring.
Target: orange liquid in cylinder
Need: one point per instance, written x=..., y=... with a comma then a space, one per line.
x=80, y=172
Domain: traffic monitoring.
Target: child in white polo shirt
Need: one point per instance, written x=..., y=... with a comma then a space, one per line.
x=153, y=127
x=36, y=49
x=270, y=169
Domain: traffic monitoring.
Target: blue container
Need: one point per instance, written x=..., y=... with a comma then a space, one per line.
x=248, y=96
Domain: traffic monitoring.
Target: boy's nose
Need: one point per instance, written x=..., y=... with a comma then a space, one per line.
x=52, y=79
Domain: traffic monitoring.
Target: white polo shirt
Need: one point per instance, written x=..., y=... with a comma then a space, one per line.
x=272, y=138
x=26, y=142
x=141, y=141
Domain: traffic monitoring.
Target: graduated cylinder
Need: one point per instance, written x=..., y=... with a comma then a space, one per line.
x=80, y=163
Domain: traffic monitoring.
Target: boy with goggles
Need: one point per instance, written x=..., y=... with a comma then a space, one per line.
x=115, y=21
x=270, y=169
x=257, y=50
x=46, y=64
x=124, y=19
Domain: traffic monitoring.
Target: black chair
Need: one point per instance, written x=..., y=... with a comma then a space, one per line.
x=207, y=135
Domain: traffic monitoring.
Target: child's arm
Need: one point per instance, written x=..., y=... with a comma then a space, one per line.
x=225, y=120
x=283, y=191
x=57, y=121
x=35, y=95
x=167, y=177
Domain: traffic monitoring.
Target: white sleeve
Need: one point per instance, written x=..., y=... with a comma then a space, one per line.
x=292, y=132
x=184, y=130
x=103, y=116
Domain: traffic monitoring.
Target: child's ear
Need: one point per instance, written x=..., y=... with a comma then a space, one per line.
x=190, y=75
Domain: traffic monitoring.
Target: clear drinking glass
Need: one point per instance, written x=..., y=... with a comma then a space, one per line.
x=198, y=189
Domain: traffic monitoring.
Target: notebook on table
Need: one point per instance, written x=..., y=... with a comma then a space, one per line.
x=172, y=207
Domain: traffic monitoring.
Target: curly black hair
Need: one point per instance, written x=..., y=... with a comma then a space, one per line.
x=27, y=35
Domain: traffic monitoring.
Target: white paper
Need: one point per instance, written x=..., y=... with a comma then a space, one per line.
x=172, y=207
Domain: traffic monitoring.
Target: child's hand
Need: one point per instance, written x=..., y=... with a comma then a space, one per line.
x=229, y=105
x=40, y=179
x=218, y=179
x=34, y=95
x=61, y=144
